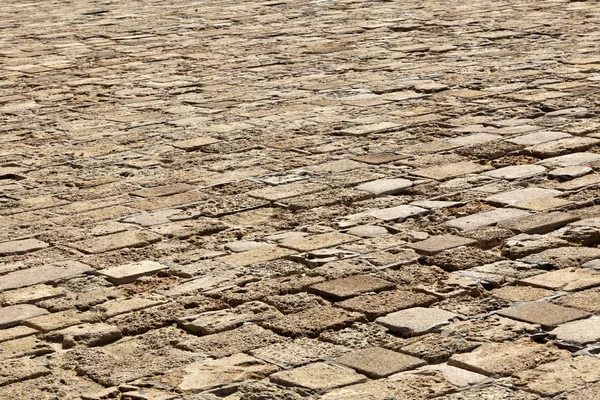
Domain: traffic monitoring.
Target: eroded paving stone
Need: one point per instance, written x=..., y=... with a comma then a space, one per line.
x=316, y=242
x=492, y=392
x=433, y=347
x=384, y=187
x=559, y=376
x=491, y=329
x=13, y=315
x=546, y=314
x=435, y=244
x=116, y=241
x=579, y=332
x=43, y=274
x=504, y=359
x=485, y=218
x=343, y=288
x=377, y=362
x=317, y=376
x=312, y=321
x=299, y=352
x=130, y=272
x=416, y=321
x=377, y=305
x=567, y=279
x=586, y=300
x=28, y=346
x=19, y=370
x=513, y=197
x=262, y=254
x=216, y=321
x=21, y=246
x=449, y=171
x=539, y=223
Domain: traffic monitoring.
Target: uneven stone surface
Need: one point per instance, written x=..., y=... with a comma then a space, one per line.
x=199, y=197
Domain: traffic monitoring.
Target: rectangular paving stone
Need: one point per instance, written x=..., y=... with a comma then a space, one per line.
x=59, y=320
x=448, y=171
x=539, y=223
x=116, y=241
x=195, y=143
x=383, y=187
x=568, y=160
x=562, y=375
x=534, y=138
x=44, y=274
x=343, y=288
x=579, y=183
x=399, y=213
x=364, y=130
x=16, y=332
x=542, y=313
x=506, y=358
x=160, y=191
x=22, y=369
x=516, y=172
x=560, y=147
x=319, y=241
x=416, y=321
x=313, y=321
x=317, y=376
x=13, y=315
x=386, y=302
x=485, y=218
x=21, y=246
x=266, y=253
x=274, y=193
x=567, y=279
x=435, y=244
x=513, y=197
x=579, y=333
x=377, y=362
x=130, y=272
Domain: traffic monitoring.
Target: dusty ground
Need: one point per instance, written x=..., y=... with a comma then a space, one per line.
x=299, y=200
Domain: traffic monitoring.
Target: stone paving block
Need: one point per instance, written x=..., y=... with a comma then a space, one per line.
x=377, y=362
x=266, y=253
x=130, y=272
x=317, y=376
x=456, y=376
x=22, y=369
x=516, y=172
x=59, y=320
x=514, y=197
x=94, y=334
x=364, y=130
x=377, y=305
x=448, y=171
x=13, y=315
x=29, y=346
x=368, y=231
x=435, y=244
x=384, y=187
x=539, y=223
x=560, y=147
x=160, y=191
x=116, y=241
x=505, y=359
x=568, y=160
x=545, y=314
x=567, y=279
x=125, y=305
x=570, y=172
x=195, y=143
x=398, y=213
x=31, y=294
x=416, y=321
x=483, y=219
x=343, y=288
x=316, y=242
x=495, y=392
x=560, y=376
x=299, y=352
x=580, y=332
x=16, y=332
x=21, y=246
x=313, y=321
x=275, y=193
x=379, y=158
x=211, y=322
x=580, y=183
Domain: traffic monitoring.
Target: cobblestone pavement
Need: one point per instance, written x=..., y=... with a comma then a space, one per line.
x=357, y=200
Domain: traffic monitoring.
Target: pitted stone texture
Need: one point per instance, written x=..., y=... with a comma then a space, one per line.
x=343, y=288
x=13, y=315
x=579, y=332
x=130, y=272
x=21, y=246
x=567, y=279
x=435, y=244
x=318, y=376
x=377, y=305
x=377, y=362
x=547, y=315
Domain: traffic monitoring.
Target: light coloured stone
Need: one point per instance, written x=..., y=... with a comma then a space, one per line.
x=513, y=197
x=483, y=219
x=44, y=274
x=318, y=376
x=579, y=332
x=21, y=246
x=516, y=172
x=567, y=279
x=416, y=321
x=13, y=315
x=384, y=187
x=448, y=171
x=130, y=272
x=266, y=253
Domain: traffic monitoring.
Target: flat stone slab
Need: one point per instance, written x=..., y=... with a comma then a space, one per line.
x=343, y=288
x=567, y=279
x=116, y=241
x=377, y=305
x=539, y=223
x=542, y=313
x=506, y=358
x=416, y=321
x=568, y=160
x=516, y=172
x=21, y=246
x=315, y=242
x=448, y=171
x=195, y=143
x=513, y=197
x=13, y=315
x=266, y=253
x=12, y=371
x=377, y=362
x=485, y=218
x=160, y=191
x=457, y=376
x=317, y=376
x=435, y=244
x=130, y=272
x=562, y=375
x=299, y=352
x=274, y=193
x=384, y=187
x=44, y=274
x=534, y=138
x=364, y=130
x=399, y=213
x=580, y=332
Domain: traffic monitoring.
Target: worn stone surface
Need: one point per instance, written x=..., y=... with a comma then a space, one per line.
x=377, y=362
x=195, y=196
x=317, y=376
